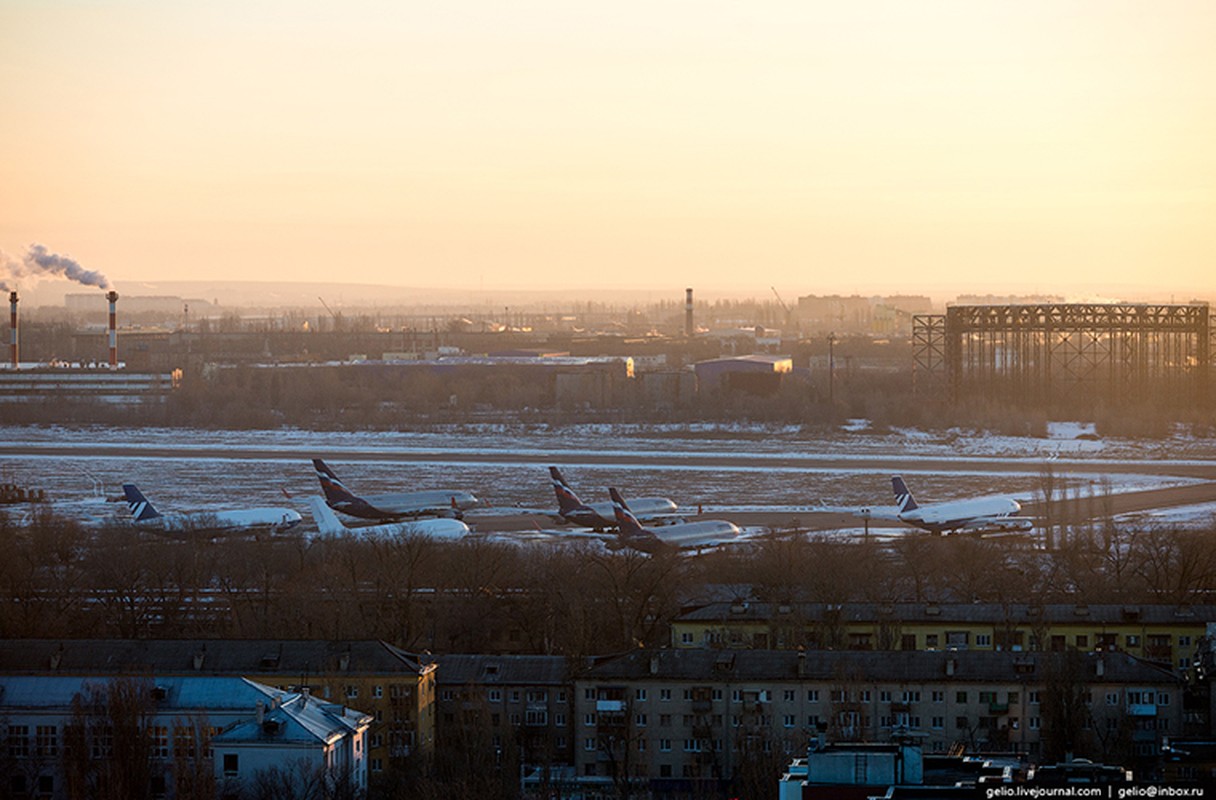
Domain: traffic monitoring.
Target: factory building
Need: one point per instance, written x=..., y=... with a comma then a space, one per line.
x=755, y=374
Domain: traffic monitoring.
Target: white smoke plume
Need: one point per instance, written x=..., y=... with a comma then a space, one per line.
x=39, y=263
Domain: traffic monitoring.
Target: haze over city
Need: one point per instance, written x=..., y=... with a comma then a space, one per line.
x=851, y=147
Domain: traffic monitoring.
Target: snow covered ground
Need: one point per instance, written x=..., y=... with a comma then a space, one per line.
x=761, y=468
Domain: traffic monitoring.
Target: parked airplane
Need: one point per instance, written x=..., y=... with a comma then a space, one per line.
x=599, y=516
x=683, y=536
x=437, y=528
x=431, y=503
x=977, y=514
x=246, y=519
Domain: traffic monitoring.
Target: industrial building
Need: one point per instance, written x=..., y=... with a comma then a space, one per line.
x=1051, y=353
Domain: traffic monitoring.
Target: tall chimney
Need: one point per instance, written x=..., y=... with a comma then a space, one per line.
x=688, y=329
x=113, y=298
x=12, y=301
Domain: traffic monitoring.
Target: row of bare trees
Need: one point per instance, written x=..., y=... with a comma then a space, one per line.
x=57, y=579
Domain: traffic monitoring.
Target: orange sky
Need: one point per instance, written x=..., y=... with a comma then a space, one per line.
x=855, y=146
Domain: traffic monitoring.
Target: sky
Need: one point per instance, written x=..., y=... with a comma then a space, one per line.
x=1056, y=146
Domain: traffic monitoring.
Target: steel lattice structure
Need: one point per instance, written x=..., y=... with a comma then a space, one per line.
x=1044, y=353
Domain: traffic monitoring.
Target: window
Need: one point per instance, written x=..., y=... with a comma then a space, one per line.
x=685, y=638
x=907, y=641
x=665, y=720
x=1133, y=640
x=1032, y=697
x=589, y=744
x=788, y=695
x=866, y=696
x=692, y=746
x=812, y=696
x=352, y=691
x=588, y=694
x=559, y=718
x=716, y=694
x=232, y=764
x=588, y=719
x=687, y=694
x=664, y=694
x=960, y=697
x=495, y=695
x=931, y=641
x=377, y=765
x=640, y=694
x=983, y=640
x=641, y=745
x=937, y=722
x=18, y=741
x=640, y=720
x=561, y=695
x=961, y=723
x=47, y=740
x=1112, y=698
x=737, y=695
x=1033, y=723
x=788, y=720
x=446, y=695
x=812, y=721
x=665, y=745
x=665, y=770
x=911, y=696
x=1184, y=641
x=515, y=695
x=884, y=696
x=1082, y=641
x=688, y=720
x=538, y=696
x=939, y=697
x=1163, y=698
x=160, y=741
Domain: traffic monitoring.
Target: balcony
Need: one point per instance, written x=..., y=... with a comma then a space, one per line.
x=998, y=708
x=1142, y=709
x=613, y=706
x=701, y=706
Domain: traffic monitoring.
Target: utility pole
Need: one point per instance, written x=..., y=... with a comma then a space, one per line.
x=831, y=368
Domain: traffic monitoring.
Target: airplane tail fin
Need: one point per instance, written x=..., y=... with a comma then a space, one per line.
x=625, y=519
x=327, y=521
x=335, y=491
x=141, y=508
x=567, y=500
x=903, y=497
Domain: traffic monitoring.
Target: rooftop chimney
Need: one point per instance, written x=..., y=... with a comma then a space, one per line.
x=688, y=329
x=12, y=302
x=113, y=298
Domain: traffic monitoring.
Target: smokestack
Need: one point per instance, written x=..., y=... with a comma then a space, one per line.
x=112, y=296
x=12, y=302
x=688, y=329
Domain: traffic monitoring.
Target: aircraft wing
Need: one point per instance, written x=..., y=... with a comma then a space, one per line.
x=999, y=524
x=865, y=512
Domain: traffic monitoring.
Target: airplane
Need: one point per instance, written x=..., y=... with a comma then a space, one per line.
x=246, y=519
x=432, y=503
x=444, y=528
x=599, y=516
x=682, y=536
x=977, y=514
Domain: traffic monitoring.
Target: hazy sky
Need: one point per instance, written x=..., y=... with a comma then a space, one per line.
x=845, y=146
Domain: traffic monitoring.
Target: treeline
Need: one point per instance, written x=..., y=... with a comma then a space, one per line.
x=59, y=580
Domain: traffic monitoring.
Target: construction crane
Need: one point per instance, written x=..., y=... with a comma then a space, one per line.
x=789, y=315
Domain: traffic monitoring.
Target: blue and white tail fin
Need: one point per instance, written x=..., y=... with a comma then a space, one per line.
x=335, y=492
x=625, y=519
x=327, y=521
x=903, y=497
x=141, y=508
x=567, y=500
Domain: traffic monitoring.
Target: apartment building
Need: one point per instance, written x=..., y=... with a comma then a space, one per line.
x=1164, y=634
x=517, y=708
x=396, y=688
x=165, y=736
x=676, y=718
